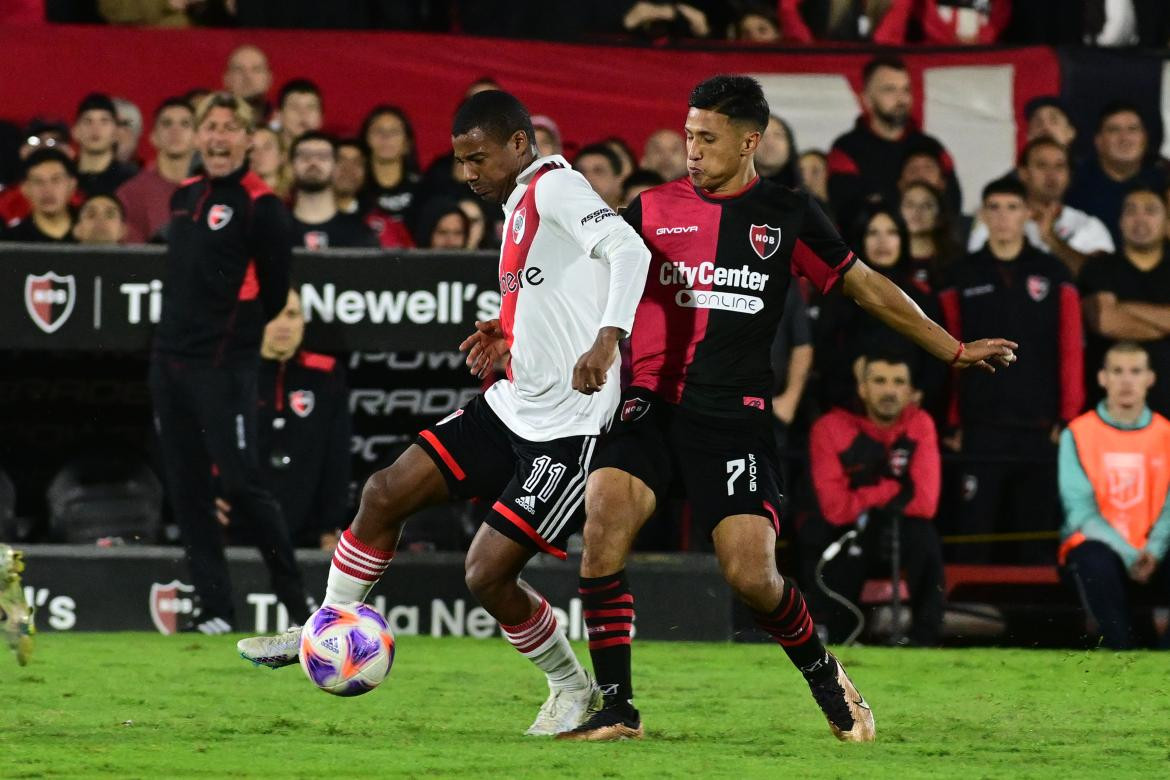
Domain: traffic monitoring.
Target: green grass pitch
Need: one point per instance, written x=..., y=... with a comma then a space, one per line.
x=149, y=706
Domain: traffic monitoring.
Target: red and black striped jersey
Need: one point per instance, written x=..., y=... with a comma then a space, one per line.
x=719, y=275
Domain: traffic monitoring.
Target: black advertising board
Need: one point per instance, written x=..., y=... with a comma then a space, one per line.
x=83, y=298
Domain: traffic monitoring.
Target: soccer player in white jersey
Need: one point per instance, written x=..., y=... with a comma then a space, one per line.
x=571, y=276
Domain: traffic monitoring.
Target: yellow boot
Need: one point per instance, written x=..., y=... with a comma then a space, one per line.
x=16, y=616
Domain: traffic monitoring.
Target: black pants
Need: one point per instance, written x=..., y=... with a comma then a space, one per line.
x=1007, y=485
x=206, y=416
x=1098, y=576
x=870, y=556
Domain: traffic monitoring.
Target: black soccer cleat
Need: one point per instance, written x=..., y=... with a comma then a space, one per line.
x=611, y=723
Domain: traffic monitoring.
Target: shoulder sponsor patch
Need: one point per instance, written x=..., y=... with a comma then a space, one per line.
x=598, y=215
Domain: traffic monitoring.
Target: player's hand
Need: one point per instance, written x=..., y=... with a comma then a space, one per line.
x=1143, y=568
x=589, y=374
x=484, y=347
x=986, y=354
x=784, y=407
x=223, y=512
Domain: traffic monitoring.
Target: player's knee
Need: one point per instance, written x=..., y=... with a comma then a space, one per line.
x=482, y=577
x=752, y=583
x=379, y=491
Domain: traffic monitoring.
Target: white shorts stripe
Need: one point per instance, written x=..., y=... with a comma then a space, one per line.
x=571, y=487
x=574, y=502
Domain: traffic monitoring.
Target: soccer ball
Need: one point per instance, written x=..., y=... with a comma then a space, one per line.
x=347, y=649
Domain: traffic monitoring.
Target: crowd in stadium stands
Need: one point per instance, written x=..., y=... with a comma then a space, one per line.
x=1065, y=256
x=757, y=22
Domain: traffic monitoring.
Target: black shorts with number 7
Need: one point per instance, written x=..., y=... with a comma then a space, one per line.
x=538, y=486
x=724, y=467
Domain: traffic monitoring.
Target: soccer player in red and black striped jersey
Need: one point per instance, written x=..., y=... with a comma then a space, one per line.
x=724, y=246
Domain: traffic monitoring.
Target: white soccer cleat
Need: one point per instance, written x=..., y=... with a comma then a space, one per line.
x=565, y=710
x=272, y=651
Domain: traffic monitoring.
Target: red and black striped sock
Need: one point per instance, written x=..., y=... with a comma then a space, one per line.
x=792, y=628
x=609, y=621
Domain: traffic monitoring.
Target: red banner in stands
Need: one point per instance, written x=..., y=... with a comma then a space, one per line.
x=591, y=91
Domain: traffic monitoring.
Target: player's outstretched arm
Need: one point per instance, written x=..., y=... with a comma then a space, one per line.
x=885, y=300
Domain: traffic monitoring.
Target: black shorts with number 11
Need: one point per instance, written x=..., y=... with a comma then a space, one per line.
x=538, y=486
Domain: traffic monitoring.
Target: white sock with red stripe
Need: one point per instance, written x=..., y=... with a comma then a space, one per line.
x=540, y=640
x=356, y=567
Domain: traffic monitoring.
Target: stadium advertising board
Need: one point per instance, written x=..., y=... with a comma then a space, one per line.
x=91, y=299
x=81, y=588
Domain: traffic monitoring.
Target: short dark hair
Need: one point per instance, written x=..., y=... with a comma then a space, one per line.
x=1143, y=189
x=299, y=86
x=1115, y=107
x=48, y=154
x=641, y=177
x=173, y=102
x=497, y=113
x=1006, y=185
x=882, y=61
x=739, y=98
x=603, y=150
x=922, y=151
x=893, y=357
x=1044, y=101
x=96, y=101
x=1125, y=348
x=312, y=135
x=1038, y=142
x=107, y=196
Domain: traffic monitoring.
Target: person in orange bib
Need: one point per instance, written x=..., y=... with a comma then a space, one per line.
x=1114, y=478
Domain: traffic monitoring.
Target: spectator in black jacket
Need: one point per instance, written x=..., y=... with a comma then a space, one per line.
x=96, y=132
x=226, y=276
x=1008, y=422
x=1127, y=295
x=1122, y=163
x=866, y=162
x=50, y=179
x=847, y=334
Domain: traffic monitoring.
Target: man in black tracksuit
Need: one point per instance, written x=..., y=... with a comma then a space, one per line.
x=1008, y=422
x=227, y=275
x=304, y=429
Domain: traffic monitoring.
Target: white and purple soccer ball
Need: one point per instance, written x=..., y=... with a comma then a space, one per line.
x=347, y=649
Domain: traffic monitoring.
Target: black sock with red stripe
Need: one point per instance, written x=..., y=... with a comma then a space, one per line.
x=609, y=622
x=792, y=628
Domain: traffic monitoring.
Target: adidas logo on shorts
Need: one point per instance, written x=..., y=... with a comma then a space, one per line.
x=527, y=503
